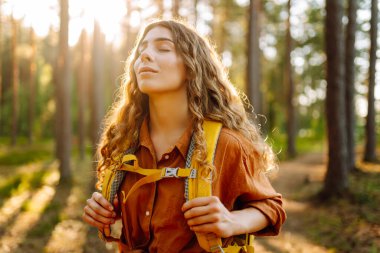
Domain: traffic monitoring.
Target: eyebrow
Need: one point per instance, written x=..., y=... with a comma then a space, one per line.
x=159, y=39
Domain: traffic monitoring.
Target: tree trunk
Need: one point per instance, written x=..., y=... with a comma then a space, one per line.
x=195, y=12
x=97, y=90
x=253, y=71
x=336, y=181
x=1, y=69
x=289, y=86
x=82, y=94
x=370, y=146
x=128, y=32
x=175, y=8
x=63, y=96
x=161, y=8
x=15, y=82
x=32, y=81
x=350, y=83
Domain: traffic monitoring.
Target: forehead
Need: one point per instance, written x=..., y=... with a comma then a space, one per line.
x=158, y=32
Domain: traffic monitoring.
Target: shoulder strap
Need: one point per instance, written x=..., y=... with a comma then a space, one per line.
x=201, y=187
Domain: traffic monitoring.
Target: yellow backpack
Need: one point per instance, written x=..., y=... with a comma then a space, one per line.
x=194, y=187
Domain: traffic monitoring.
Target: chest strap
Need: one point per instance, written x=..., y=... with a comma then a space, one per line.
x=151, y=175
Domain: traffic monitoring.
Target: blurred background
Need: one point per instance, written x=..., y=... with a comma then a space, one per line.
x=308, y=67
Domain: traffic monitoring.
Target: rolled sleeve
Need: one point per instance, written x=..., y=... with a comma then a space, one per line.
x=239, y=186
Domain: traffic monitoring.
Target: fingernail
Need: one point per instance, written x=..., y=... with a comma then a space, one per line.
x=111, y=208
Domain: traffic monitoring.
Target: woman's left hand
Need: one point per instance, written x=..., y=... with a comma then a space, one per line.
x=209, y=215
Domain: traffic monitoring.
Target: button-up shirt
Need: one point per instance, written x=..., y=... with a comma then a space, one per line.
x=152, y=217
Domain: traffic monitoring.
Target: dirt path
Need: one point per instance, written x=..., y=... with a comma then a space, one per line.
x=290, y=181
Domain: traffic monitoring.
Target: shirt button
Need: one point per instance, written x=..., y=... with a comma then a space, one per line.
x=166, y=157
x=147, y=213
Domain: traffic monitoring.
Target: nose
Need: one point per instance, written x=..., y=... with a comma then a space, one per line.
x=146, y=55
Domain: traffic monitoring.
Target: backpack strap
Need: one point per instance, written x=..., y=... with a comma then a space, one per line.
x=201, y=187
x=111, y=183
x=195, y=185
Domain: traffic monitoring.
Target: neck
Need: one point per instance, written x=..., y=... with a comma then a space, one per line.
x=169, y=113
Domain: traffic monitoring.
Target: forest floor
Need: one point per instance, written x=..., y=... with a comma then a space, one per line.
x=38, y=215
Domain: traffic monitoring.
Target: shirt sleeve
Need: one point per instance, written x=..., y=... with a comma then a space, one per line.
x=239, y=186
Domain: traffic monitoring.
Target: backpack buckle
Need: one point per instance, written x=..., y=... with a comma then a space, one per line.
x=171, y=172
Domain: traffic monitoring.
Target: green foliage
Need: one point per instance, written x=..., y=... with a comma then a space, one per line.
x=23, y=156
x=307, y=144
x=7, y=187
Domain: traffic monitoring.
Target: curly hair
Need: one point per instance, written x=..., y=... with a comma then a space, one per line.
x=210, y=95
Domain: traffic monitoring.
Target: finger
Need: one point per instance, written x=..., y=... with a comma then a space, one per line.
x=204, y=219
x=196, y=211
x=102, y=201
x=200, y=201
x=100, y=210
x=88, y=219
x=99, y=218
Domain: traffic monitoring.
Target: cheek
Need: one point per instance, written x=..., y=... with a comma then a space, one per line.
x=135, y=65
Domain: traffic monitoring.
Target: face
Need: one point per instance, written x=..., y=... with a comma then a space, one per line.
x=159, y=68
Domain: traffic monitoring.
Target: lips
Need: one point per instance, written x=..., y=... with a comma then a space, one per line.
x=146, y=69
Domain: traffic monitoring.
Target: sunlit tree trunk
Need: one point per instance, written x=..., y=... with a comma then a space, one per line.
x=97, y=89
x=175, y=8
x=289, y=86
x=161, y=8
x=32, y=89
x=128, y=32
x=221, y=12
x=15, y=82
x=1, y=69
x=370, y=146
x=63, y=119
x=336, y=180
x=253, y=71
x=82, y=92
x=350, y=83
x=196, y=12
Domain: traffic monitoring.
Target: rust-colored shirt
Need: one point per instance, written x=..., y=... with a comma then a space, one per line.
x=152, y=217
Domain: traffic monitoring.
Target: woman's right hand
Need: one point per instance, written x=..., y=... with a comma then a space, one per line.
x=99, y=212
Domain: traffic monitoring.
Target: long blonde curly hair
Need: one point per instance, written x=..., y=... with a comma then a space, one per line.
x=210, y=96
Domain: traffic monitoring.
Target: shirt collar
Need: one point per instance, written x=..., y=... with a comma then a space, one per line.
x=182, y=144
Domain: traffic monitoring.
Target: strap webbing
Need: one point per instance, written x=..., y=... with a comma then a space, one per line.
x=201, y=187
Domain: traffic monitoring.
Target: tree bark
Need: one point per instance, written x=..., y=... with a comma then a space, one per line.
x=350, y=83
x=175, y=8
x=32, y=81
x=253, y=71
x=370, y=146
x=195, y=12
x=82, y=94
x=1, y=69
x=97, y=90
x=161, y=8
x=289, y=84
x=63, y=96
x=336, y=181
x=15, y=82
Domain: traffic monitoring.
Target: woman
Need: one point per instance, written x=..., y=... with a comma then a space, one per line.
x=173, y=82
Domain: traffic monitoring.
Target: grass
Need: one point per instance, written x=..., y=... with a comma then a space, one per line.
x=14, y=156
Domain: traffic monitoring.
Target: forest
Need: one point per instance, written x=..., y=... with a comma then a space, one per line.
x=307, y=71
